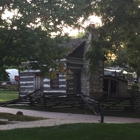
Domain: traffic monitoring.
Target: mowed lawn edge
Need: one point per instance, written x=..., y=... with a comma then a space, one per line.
x=81, y=131
x=6, y=95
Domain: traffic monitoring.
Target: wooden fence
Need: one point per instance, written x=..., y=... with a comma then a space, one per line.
x=8, y=85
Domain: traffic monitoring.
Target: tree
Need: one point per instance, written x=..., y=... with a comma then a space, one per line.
x=79, y=35
x=120, y=58
x=28, y=34
x=120, y=27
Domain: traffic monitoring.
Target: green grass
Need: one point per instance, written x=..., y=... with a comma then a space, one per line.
x=131, y=114
x=76, y=132
x=3, y=122
x=13, y=117
x=6, y=95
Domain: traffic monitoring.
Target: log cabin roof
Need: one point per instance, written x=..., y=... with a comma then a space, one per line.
x=73, y=43
x=75, y=46
x=114, y=78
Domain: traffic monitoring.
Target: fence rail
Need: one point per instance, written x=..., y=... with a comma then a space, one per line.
x=8, y=85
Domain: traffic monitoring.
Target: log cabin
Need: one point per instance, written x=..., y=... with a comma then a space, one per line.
x=30, y=80
x=79, y=81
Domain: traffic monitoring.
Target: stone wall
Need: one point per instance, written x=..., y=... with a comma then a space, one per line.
x=92, y=83
x=96, y=81
x=85, y=78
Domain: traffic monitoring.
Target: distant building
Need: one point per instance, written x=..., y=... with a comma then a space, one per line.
x=13, y=75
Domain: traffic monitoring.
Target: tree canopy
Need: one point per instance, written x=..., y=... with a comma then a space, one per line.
x=35, y=30
x=120, y=28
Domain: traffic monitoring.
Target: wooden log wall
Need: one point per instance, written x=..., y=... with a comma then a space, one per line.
x=47, y=90
x=27, y=83
x=62, y=83
x=70, y=83
x=75, y=63
x=74, y=66
x=66, y=86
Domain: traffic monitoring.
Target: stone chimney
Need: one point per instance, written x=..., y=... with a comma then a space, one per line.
x=91, y=84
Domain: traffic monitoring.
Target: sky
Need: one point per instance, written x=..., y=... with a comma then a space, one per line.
x=91, y=19
x=69, y=30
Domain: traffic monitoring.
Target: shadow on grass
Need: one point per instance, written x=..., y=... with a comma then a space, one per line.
x=13, y=117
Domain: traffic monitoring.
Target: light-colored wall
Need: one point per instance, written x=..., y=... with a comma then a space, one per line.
x=91, y=83
x=85, y=78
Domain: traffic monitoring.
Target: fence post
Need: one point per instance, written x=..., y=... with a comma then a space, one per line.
x=102, y=113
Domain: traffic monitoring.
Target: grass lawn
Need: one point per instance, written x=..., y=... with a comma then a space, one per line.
x=6, y=95
x=72, y=131
x=76, y=132
x=14, y=117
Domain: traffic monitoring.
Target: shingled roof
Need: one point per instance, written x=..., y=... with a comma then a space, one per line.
x=73, y=43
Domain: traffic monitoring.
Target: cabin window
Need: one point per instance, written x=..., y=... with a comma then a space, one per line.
x=54, y=83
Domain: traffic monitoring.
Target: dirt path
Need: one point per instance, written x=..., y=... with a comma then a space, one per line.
x=53, y=118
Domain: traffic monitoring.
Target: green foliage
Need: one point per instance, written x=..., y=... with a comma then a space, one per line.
x=121, y=58
x=95, y=52
x=134, y=87
x=3, y=75
x=35, y=30
x=30, y=33
x=79, y=35
x=120, y=26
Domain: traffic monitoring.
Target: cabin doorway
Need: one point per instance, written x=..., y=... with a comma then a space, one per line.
x=110, y=87
x=77, y=83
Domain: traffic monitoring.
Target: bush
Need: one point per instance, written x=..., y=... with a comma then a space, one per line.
x=134, y=87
